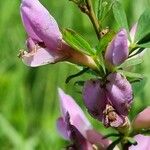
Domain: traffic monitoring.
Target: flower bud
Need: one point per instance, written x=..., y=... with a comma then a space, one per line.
x=117, y=51
x=94, y=97
x=119, y=92
x=142, y=120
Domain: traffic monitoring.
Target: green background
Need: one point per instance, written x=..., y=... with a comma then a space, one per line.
x=29, y=104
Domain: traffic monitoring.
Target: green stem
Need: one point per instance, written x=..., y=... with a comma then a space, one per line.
x=125, y=146
x=93, y=18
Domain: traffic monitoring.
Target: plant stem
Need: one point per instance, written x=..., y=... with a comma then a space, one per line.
x=125, y=146
x=93, y=18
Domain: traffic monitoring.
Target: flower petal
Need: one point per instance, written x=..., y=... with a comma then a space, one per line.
x=97, y=139
x=80, y=143
x=119, y=92
x=142, y=120
x=62, y=128
x=41, y=56
x=77, y=117
x=94, y=98
x=117, y=51
x=142, y=143
x=39, y=24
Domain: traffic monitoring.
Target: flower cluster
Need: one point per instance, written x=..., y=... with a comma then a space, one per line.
x=107, y=96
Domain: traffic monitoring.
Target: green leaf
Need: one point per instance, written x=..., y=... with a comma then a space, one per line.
x=104, y=41
x=143, y=27
x=77, y=42
x=131, y=62
x=76, y=75
x=79, y=83
x=145, y=45
x=145, y=132
x=131, y=74
x=131, y=140
x=102, y=63
x=120, y=15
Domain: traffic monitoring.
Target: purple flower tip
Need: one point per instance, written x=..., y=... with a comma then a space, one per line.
x=77, y=117
x=117, y=51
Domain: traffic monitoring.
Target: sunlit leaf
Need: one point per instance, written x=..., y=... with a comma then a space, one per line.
x=132, y=75
x=143, y=28
x=120, y=15
x=77, y=42
x=145, y=45
x=131, y=62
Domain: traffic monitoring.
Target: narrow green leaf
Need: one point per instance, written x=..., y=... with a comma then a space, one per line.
x=131, y=74
x=120, y=15
x=111, y=135
x=77, y=42
x=143, y=28
x=9, y=131
x=104, y=41
x=145, y=132
x=131, y=62
x=145, y=45
x=76, y=75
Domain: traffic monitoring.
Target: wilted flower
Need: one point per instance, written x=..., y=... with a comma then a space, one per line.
x=109, y=102
x=74, y=126
x=142, y=120
x=143, y=143
x=45, y=43
x=117, y=51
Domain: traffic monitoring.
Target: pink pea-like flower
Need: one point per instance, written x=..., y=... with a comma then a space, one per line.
x=74, y=126
x=45, y=43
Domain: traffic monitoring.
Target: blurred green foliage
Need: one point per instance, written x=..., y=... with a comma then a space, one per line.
x=28, y=96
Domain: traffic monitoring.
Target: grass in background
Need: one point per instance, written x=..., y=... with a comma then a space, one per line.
x=28, y=96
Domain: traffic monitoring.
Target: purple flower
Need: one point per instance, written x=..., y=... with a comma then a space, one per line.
x=45, y=44
x=142, y=120
x=117, y=51
x=108, y=102
x=74, y=126
x=142, y=143
x=119, y=92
